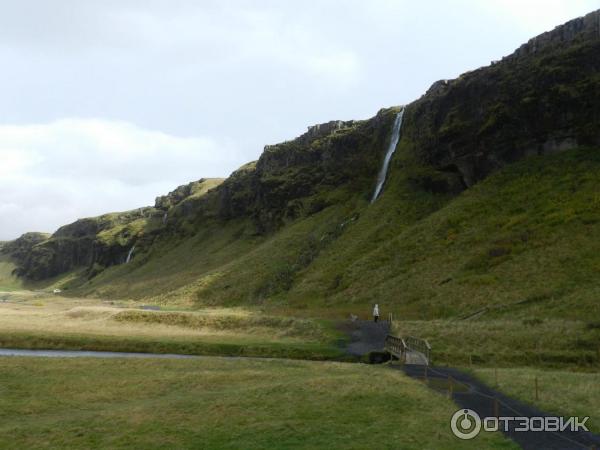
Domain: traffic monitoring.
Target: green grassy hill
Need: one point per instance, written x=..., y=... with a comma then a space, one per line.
x=524, y=241
x=491, y=202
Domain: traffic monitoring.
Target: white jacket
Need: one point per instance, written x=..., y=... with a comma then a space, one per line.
x=376, y=310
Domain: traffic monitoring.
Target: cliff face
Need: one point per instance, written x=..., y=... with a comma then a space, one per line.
x=581, y=29
x=291, y=179
x=93, y=243
x=543, y=98
x=286, y=181
x=20, y=248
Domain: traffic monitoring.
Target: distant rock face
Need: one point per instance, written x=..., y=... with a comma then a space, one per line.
x=583, y=28
x=323, y=129
x=175, y=197
x=21, y=247
x=542, y=99
x=438, y=88
x=102, y=241
x=327, y=156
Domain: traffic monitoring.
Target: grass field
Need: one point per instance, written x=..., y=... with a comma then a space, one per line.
x=221, y=403
x=40, y=320
x=559, y=392
x=506, y=342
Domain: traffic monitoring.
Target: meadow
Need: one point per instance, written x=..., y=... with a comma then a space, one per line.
x=41, y=320
x=505, y=342
x=221, y=403
x=561, y=392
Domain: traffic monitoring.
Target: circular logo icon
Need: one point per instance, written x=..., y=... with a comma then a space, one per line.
x=465, y=424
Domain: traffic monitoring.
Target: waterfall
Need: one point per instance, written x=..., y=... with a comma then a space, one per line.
x=388, y=155
x=129, y=255
x=165, y=217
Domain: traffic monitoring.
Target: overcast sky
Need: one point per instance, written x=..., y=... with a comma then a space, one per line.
x=106, y=104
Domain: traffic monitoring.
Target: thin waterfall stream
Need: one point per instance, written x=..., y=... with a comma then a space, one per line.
x=388, y=155
x=129, y=255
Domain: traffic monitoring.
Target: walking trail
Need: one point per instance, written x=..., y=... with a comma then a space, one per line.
x=470, y=393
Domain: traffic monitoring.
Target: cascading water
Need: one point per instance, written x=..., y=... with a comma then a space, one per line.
x=129, y=255
x=388, y=155
x=165, y=217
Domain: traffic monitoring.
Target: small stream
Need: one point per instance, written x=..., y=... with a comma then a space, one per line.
x=87, y=354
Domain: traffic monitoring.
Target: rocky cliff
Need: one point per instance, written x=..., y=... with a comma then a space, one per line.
x=542, y=99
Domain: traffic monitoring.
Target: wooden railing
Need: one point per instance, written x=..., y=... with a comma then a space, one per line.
x=398, y=347
x=419, y=345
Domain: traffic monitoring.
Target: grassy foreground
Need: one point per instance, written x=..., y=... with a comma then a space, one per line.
x=217, y=403
x=559, y=392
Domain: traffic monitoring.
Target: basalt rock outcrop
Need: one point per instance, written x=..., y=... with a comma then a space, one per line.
x=89, y=243
x=543, y=98
x=21, y=247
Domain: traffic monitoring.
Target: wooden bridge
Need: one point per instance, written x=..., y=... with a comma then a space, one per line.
x=409, y=350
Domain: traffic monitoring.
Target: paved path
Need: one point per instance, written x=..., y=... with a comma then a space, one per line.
x=366, y=336
x=470, y=393
x=475, y=395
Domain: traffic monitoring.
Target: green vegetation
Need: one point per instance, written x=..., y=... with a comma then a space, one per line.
x=522, y=243
x=428, y=256
x=490, y=254
x=559, y=392
x=206, y=346
x=8, y=282
x=35, y=320
x=220, y=403
x=509, y=342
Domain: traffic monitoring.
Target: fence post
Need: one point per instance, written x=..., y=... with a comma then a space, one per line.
x=425, y=377
x=496, y=375
x=537, y=397
x=496, y=412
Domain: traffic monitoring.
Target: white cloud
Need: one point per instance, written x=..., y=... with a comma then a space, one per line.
x=55, y=173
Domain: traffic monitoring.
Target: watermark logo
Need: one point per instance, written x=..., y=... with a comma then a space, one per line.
x=466, y=424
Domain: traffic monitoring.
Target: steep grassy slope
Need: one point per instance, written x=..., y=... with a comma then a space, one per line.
x=491, y=202
x=526, y=237
x=522, y=241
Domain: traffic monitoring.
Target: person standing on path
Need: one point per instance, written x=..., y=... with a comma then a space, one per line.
x=376, y=313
